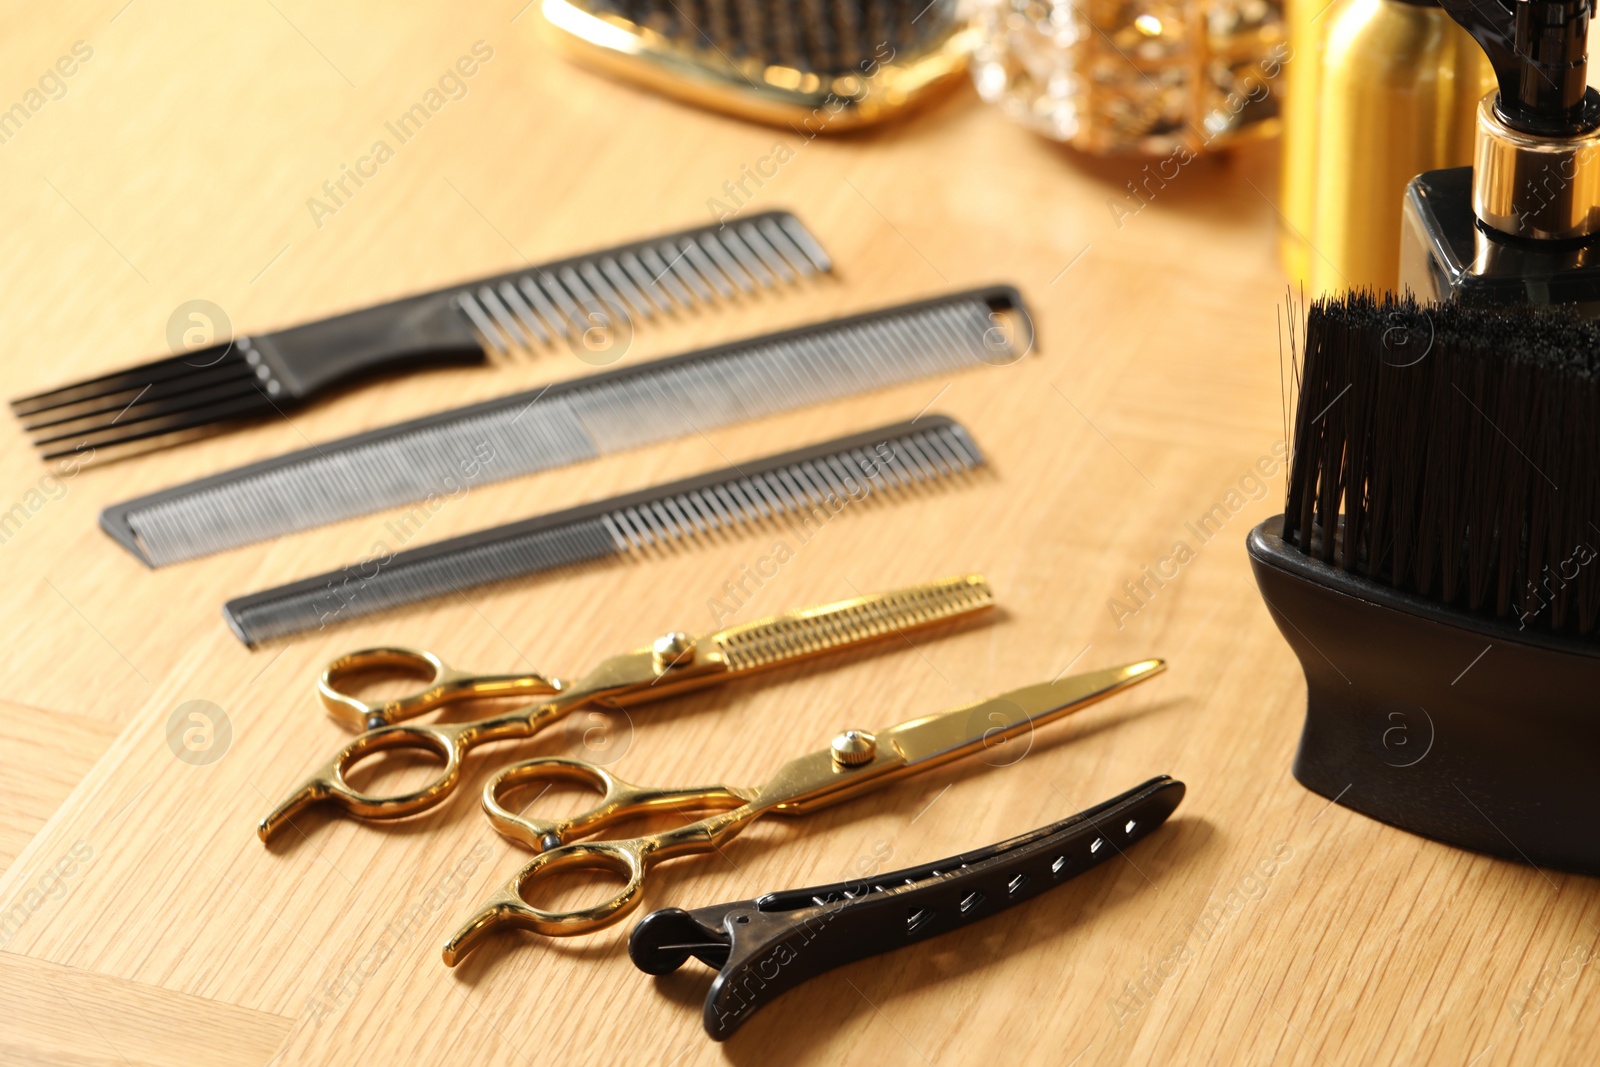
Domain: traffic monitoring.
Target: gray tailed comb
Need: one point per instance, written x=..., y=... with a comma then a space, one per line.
x=807, y=487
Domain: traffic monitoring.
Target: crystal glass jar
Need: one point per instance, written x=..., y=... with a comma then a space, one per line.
x=1144, y=77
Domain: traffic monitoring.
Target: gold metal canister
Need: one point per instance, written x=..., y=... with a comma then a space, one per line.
x=1397, y=87
x=1305, y=20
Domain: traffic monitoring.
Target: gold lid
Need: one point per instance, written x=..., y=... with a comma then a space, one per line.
x=1526, y=185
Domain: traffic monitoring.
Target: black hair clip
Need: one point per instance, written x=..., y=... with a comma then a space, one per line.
x=766, y=946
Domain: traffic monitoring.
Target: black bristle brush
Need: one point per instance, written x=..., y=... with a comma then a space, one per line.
x=1437, y=570
x=808, y=66
x=824, y=36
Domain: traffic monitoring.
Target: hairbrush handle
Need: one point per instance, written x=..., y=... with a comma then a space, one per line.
x=765, y=946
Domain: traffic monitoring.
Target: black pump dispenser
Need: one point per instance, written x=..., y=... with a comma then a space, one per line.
x=1538, y=49
x=1522, y=224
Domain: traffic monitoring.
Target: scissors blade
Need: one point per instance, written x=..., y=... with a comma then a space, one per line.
x=933, y=739
x=827, y=628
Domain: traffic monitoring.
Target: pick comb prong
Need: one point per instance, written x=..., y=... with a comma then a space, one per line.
x=176, y=366
x=144, y=409
x=118, y=403
x=253, y=404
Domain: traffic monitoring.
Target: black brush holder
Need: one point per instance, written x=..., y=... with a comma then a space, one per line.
x=1464, y=729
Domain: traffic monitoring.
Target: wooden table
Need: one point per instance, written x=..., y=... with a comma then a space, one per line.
x=177, y=164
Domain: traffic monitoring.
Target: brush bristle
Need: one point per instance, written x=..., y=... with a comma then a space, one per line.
x=821, y=36
x=1451, y=452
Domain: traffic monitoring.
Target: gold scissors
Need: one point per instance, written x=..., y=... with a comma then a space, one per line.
x=674, y=663
x=441, y=684
x=854, y=763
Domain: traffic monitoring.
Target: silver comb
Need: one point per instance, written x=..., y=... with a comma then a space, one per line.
x=807, y=487
x=572, y=421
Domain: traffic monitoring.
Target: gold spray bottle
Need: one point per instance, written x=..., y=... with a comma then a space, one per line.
x=1396, y=85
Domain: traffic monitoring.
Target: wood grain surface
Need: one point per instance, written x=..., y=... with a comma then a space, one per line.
x=144, y=922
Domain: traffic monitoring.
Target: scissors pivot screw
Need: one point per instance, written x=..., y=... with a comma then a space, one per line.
x=672, y=650
x=854, y=747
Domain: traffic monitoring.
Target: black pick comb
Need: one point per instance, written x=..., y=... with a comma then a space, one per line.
x=769, y=945
x=173, y=399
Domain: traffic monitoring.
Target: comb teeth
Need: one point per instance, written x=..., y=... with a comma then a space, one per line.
x=810, y=485
x=803, y=633
x=643, y=281
x=568, y=422
x=558, y=303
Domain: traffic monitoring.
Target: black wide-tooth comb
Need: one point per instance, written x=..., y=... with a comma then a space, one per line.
x=171, y=399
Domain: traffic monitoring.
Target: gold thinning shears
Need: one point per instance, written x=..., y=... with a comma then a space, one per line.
x=673, y=664
x=856, y=761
